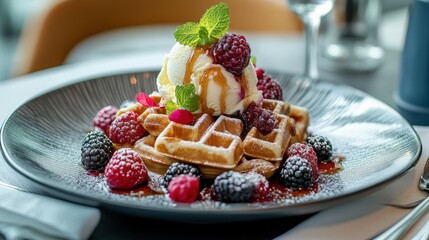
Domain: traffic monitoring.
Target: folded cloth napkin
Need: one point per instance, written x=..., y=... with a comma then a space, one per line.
x=25, y=215
x=364, y=218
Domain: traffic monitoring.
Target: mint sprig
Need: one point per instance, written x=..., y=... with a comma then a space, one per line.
x=170, y=106
x=186, y=98
x=216, y=20
x=213, y=24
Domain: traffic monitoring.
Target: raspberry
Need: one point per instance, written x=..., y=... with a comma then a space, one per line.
x=307, y=152
x=125, y=169
x=259, y=73
x=262, y=119
x=233, y=187
x=265, y=122
x=126, y=129
x=184, y=188
x=322, y=146
x=232, y=52
x=178, y=168
x=296, y=173
x=181, y=116
x=270, y=87
x=260, y=182
x=96, y=151
x=104, y=118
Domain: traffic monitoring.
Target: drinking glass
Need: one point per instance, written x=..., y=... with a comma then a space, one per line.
x=311, y=12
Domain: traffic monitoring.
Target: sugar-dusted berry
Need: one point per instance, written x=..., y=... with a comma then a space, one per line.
x=233, y=187
x=307, y=152
x=322, y=146
x=262, y=119
x=126, y=129
x=104, y=118
x=262, y=186
x=125, y=169
x=296, y=173
x=270, y=87
x=96, y=151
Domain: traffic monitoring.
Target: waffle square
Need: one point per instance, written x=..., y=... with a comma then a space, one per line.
x=301, y=119
x=206, y=143
x=273, y=145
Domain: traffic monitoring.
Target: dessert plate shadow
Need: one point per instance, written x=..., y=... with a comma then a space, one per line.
x=41, y=140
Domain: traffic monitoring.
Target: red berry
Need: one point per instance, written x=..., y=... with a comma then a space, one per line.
x=270, y=87
x=125, y=169
x=262, y=119
x=104, y=118
x=145, y=100
x=184, y=188
x=259, y=73
x=181, y=116
x=261, y=183
x=232, y=52
x=307, y=152
x=126, y=129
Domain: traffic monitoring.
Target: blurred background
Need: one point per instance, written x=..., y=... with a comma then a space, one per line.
x=15, y=15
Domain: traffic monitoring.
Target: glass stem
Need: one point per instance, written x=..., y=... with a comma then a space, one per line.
x=311, y=24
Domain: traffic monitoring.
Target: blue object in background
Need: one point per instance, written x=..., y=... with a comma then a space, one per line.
x=412, y=96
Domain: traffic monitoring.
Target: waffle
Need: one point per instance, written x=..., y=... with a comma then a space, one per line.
x=206, y=143
x=273, y=145
x=214, y=144
x=301, y=119
x=158, y=163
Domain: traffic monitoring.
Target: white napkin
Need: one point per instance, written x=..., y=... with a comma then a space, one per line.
x=25, y=215
x=363, y=218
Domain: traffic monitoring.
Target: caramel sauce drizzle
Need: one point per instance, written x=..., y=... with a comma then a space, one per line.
x=211, y=74
x=191, y=62
x=214, y=74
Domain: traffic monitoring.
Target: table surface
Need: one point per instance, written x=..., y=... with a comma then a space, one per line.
x=380, y=83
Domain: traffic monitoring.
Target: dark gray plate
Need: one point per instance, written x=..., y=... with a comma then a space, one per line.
x=42, y=138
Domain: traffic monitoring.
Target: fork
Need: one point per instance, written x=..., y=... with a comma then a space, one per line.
x=397, y=230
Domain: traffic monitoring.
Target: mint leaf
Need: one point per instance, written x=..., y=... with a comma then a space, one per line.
x=186, y=97
x=170, y=106
x=192, y=104
x=216, y=20
x=188, y=34
x=253, y=60
x=204, y=37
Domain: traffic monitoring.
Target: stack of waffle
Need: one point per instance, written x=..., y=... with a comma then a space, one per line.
x=217, y=144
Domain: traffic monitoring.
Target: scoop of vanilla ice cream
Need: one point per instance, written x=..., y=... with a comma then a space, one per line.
x=220, y=92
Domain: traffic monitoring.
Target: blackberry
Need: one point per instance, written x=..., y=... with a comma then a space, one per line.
x=177, y=169
x=296, y=173
x=232, y=52
x=322, y=146
x=266, y=121
x=96, y=151
x=262, y=119
x=307, y=152
x=233, y=187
